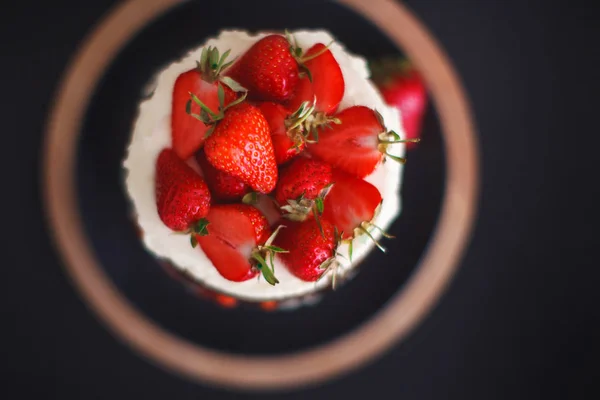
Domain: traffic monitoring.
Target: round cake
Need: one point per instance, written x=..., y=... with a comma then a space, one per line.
x=329, y=122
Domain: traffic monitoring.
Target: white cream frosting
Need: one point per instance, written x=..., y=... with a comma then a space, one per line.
x=152, y=133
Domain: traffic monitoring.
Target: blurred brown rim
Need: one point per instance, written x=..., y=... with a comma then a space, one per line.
x=387, y=327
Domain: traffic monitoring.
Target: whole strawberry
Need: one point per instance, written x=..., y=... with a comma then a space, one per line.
x=241, y=145
x=302, y=187
x=357, y=142
x=187, y=133
x=222, y=185
x=268, y=69
x=238, y=241
x=402, y=86
x=182, y=197
x=310, y=252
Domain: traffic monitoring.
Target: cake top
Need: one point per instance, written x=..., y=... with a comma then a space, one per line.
x=261, y=156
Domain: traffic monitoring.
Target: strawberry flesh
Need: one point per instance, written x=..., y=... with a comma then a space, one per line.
x=327, y=82
x=234, y=231
x=350, y=202
x=187, y=133
x=352, y=145
x=283, y=145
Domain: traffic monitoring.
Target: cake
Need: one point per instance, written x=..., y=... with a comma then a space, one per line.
x=154, y=134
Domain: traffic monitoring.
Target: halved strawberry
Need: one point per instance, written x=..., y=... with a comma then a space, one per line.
x=310, y=252
x=325, y=83
x=351, y=205
x=182, y=197
x=286, y=144
x=238, y=242
x=223, y=186
x=358, y=143
x=302, y=187
x=187, y=133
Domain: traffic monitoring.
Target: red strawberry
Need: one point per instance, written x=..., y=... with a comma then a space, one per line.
x=223, y=186
x=234, y=234
x=351, y=204
x=187, y=133
x=302, y=187
x=402, y=87
x=182, y=197
x=357, y=143
x=286, y=144
x=268, y=69
x=290, y=131
x=241, y=146
x=310, y=252
x=327, y=81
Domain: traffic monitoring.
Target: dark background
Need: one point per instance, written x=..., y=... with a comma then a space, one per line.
x=521, y=320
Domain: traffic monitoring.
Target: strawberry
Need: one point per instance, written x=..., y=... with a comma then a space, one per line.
x=351, y=206
x=286, y=143
x=223, y=186
x=402, y=86
x=357, y=142
x=291, y=131
x=325, y=82
x=269, y=69
x=310, y=252
x=241, y=146
x=302, y=186
x=238, y=241
x=182, y=197
x=187, y=134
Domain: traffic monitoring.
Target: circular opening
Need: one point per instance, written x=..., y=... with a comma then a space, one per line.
x=317, y=360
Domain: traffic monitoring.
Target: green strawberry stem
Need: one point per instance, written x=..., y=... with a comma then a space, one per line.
x=299, y=56
x=350, y=249
x=383, y=233
x=265, y=270
x=366, y=231
x=208, y=116
x=251, y=198
x=268, y=250
x=199, y=228
x=211, y=64
x=390, y=137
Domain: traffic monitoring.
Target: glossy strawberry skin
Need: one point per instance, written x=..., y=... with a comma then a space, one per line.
x=268, y=70
x=241, y=146
x=352, y=145
x=187, y=133
x=350, y=202
x=327, y=82
x=234, y=231
x=303, y=177
x=223, y=186
x=182, y=197
x=308, y=249
x=406, y=91
x=284, y=146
